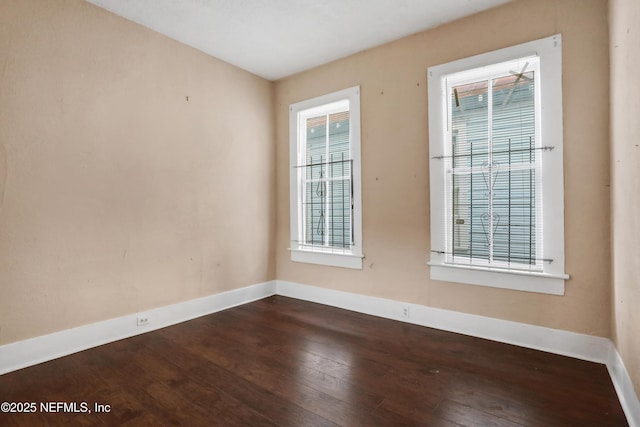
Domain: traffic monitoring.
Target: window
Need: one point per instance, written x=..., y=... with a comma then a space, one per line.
x=325, y=180
x=495, y=143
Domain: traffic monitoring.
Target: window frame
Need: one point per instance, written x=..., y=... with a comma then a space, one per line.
x=551, y=278
x=298, y=112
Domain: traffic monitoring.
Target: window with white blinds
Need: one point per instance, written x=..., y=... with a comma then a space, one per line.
x=493, y=170
x=496, y=169
x=327, y=208
x=325, y=181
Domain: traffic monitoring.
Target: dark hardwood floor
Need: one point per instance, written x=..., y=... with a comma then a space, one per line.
x=284, y=362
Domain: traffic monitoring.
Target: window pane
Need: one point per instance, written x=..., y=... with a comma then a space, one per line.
x=470, y=216
x=339, y=141
x=315, y=215
x=513, y=125
x=514, y=207
x=316, y=146
x=470, y=136
x=469, y=124
x=513, y=135
x=340, y=224
x=493, y=178
x=327, y=198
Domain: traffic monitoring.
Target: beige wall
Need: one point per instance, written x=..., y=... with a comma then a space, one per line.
x=115, y=188
x=624, y=21
x=395, y=164
x=117, y=194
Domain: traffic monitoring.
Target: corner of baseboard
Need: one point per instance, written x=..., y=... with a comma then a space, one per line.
x=624, y=387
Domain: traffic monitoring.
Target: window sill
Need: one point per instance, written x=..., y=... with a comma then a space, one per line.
x=344, y=260
x=543, y=283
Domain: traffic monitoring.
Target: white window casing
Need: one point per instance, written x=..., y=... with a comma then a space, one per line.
x=325, y=183
x=452, y=255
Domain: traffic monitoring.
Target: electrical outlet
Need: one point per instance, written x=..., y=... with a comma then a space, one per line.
x=142, y=320
x=405, y=312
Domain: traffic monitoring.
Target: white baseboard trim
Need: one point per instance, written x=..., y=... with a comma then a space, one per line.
x=579, y=346
x=624, y=388
x=40, y=349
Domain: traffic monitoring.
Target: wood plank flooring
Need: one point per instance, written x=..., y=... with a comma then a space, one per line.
x=285, y=362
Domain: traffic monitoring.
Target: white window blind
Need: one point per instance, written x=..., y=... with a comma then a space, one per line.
x=493, y=184
x=327, y=182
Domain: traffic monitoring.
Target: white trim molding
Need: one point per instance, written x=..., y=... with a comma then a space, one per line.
x=624, y=387
x=40, y=349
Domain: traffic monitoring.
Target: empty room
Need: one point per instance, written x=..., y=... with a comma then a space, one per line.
x=320, y=212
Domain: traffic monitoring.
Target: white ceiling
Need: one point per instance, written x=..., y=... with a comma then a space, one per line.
x=277, y=38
